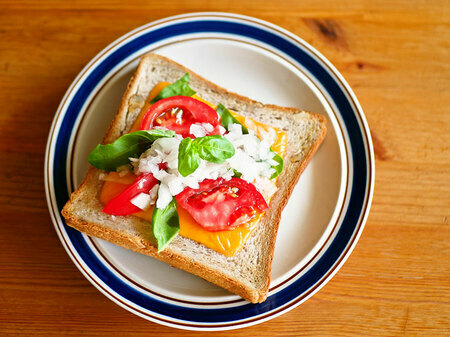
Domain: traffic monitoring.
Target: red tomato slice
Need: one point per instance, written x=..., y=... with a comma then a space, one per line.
x=190, y=111
x=121, y=205
x=220, y=205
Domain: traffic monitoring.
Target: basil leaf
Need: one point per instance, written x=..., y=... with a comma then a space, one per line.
x=165, y=224
x=188, y=158
x=237, y=174
x=214, y=148
x=226, y=118
x=110, y=156
x=178, y=88
x=278, y=168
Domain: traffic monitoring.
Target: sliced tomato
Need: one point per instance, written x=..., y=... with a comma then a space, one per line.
x=121, y=205
x=221, y=205
x=178, y=113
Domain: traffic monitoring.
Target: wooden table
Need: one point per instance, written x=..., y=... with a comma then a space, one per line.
x=394, y=54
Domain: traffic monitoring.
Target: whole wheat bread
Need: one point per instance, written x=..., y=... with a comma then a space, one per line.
x=248, y=272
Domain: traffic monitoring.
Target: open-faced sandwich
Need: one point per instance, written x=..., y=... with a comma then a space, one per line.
x=195, y=176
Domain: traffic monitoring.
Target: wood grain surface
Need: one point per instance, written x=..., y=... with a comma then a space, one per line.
x=396, y=57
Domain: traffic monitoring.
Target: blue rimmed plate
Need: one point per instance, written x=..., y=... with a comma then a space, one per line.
x=324, y=217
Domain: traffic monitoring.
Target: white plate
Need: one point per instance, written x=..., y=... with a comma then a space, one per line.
x=322, y=220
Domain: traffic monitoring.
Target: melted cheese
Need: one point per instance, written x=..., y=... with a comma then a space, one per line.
x=227, y=242
x=202, y=100
x=111, y=190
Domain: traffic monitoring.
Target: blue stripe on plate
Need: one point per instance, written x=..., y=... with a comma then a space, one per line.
x=329, y=258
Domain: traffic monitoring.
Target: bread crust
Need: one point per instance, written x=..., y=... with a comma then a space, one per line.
x=271, y=218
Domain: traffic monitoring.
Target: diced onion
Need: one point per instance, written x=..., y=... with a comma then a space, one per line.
x=197, y=130
x=164, y=196
x=142, y=201
x=253, y=159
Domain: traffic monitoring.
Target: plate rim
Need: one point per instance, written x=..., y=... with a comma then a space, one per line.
x=369, y=193
x=336, y=216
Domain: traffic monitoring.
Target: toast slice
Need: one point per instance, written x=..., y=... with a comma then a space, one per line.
x=246, y=274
